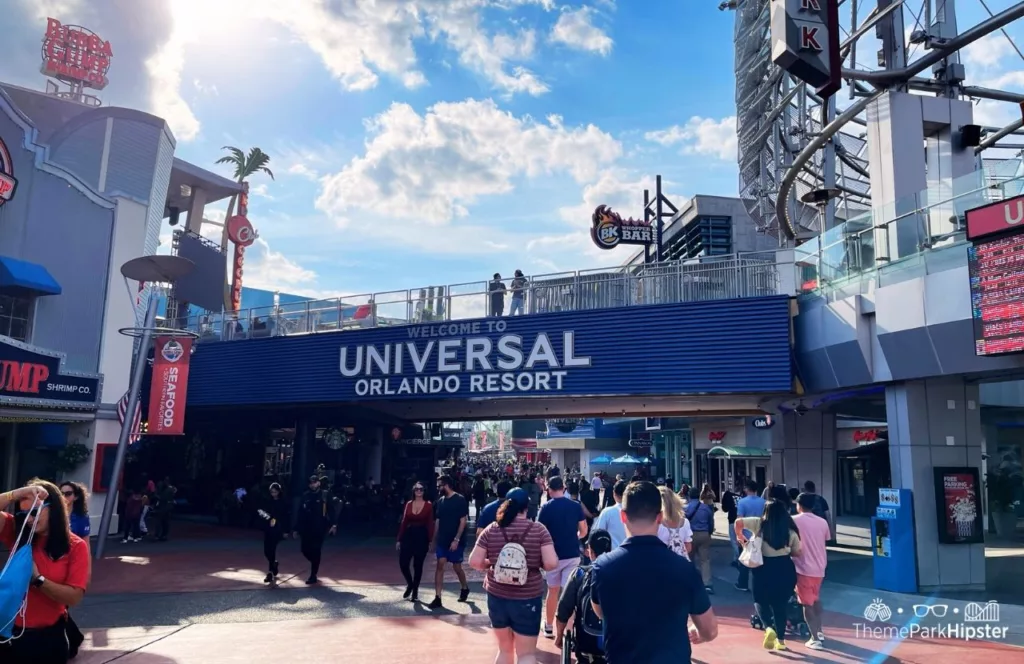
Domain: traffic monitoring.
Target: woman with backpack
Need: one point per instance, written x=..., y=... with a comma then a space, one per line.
x=674, y=529
x=775, y=578
x=513, y=551
x=702, y=522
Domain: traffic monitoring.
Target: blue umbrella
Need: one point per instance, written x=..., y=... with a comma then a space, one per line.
x=626, y=458
x=603, y=460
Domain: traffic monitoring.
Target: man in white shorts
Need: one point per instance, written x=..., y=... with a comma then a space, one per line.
x=565, y=520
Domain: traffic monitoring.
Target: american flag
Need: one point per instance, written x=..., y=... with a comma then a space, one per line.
x=122, y=411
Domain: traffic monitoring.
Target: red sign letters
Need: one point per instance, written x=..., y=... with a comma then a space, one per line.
x=23, y=377
x=169, y=387
x=995, y=218
x=75, y=55
x=716, y=436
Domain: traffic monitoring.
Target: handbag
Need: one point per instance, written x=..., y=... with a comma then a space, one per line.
x=74, y=634
x=751, y=555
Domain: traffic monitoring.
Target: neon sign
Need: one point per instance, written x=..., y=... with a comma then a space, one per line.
x=8, y=184
x=75, y=55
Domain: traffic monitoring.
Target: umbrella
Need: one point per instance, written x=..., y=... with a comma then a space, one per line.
x=645, y=461
x=603, y=460
x=626, y=458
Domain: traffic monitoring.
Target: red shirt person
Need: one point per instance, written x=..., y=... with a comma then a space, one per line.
x=60, y=573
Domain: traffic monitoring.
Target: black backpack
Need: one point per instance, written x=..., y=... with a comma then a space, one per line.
x=585, y=615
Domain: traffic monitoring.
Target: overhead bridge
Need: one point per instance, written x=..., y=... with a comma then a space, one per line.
x=699, y=337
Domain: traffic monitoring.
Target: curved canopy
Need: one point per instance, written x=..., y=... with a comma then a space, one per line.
x=722, y=452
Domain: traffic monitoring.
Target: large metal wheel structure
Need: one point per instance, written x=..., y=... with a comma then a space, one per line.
x=778, y=117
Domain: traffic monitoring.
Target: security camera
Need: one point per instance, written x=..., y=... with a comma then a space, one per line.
x=801, y=409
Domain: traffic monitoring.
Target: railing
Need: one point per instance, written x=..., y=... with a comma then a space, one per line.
x=695, y=280
x=892, y=236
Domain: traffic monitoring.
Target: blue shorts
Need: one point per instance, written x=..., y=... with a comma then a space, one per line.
x=454, y=557
x=522, y=616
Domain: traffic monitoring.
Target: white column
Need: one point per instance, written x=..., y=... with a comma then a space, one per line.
x=196, y=209
x=935, y=423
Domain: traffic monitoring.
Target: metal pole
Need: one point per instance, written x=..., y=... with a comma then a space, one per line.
x=126, y=428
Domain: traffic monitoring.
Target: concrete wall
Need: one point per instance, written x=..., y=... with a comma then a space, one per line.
x=912, y=321
x=55, y=220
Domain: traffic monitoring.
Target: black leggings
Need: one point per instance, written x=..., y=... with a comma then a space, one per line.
x=270, y=541
x=47, y=645
x=414, y=550
x=312, y=547
x=774, y=585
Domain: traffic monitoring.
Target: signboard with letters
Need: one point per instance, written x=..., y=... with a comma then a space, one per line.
x=8, y=183
x=75, y=55
x=611, y=230
x=958, y=505
x=805, y=42
x=169, y=386
x=763, y=422
x=995, y=264
x=33, y=376
x=889, y=497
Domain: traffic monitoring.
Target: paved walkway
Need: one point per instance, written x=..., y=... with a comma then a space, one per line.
x=194, y=602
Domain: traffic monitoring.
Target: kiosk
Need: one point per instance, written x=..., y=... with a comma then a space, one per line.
x=894, y=549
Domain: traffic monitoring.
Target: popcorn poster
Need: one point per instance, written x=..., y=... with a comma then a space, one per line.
x=960, y=505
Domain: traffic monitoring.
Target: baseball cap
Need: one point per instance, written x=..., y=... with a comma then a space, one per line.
x=518, y=496
x=556, y=484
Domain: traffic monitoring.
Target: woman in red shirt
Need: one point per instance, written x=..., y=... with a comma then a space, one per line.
x=414, y=536
x=60, y=573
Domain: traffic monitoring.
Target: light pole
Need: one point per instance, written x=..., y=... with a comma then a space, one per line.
x=149, y=270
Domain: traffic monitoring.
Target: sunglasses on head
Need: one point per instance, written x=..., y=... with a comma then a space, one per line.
x=32, y=512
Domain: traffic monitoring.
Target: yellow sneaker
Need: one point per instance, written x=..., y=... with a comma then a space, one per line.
x=771, y=639
x=780, y=646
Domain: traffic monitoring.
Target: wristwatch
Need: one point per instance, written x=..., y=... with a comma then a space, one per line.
x=39, y=581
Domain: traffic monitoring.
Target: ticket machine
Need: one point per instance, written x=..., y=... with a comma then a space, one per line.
x=893, y=542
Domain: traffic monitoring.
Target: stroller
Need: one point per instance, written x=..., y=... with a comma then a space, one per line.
x=795, y=622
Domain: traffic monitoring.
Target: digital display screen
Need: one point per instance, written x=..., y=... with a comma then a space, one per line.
x=997, y=295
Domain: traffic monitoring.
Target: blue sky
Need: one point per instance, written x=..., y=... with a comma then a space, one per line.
x=420, y=142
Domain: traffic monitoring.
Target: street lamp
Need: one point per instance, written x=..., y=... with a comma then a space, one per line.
x=145, y=270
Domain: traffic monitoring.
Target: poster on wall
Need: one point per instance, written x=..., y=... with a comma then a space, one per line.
x=958, y=505
x=169, y=386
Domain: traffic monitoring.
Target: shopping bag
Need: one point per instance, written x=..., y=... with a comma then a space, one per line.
x=751, y=555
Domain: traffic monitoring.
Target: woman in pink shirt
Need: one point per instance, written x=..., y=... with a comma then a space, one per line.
x=810, y=566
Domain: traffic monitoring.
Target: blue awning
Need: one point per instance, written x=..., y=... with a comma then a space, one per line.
x=22, y=275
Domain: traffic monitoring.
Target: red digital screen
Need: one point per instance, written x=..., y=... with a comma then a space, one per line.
x=997, y=295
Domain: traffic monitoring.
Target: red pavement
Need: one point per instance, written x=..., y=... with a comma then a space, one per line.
x=146, y=569
x=466, y=640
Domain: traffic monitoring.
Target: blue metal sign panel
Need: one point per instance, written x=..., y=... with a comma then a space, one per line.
x=731, y=346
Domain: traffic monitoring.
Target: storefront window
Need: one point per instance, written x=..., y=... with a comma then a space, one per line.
x=14, y=316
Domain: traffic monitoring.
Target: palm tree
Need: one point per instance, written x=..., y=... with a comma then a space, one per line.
x=245, y=165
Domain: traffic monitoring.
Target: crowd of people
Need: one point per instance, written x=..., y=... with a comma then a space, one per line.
x=587, y=562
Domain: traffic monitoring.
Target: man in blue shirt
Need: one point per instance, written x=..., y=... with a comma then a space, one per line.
x=750, y=504
x=489, y=513
x=565, y=520
x=610, y=518
x=645, y=593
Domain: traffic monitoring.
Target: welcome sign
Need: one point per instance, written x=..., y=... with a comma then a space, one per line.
x=737, y=346
x=439, y=359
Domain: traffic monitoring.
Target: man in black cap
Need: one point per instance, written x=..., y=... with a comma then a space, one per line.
x=316, y=519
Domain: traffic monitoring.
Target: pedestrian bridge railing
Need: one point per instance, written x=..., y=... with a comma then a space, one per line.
x=692, y=280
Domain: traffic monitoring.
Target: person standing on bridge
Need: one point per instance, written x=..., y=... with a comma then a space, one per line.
x=496, y=290
x=316, y=519
x=519, y=284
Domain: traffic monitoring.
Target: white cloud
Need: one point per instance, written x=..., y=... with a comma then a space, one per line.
x=261, y=191
x=701, y=136
x=988, y=51
x=460, y=23
x=271, y=270
x=577, y=30
x=426, y=169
